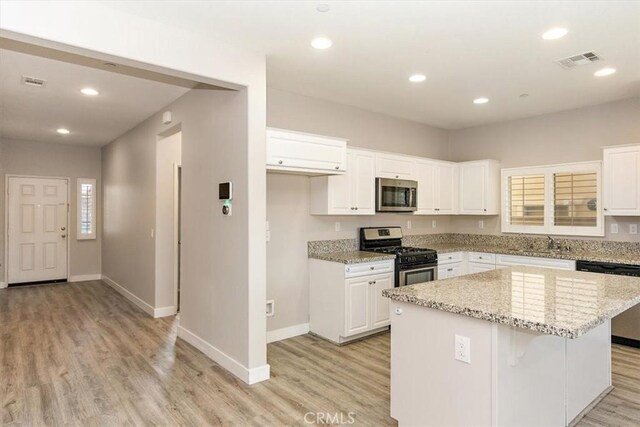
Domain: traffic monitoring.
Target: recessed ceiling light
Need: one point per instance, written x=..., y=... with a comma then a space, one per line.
x=63, y=131
x=417, y=78
x=89, y=91
x=321, y=43
x=323, y=7
x=555, y=33
x=604, y=72
x=481, y=100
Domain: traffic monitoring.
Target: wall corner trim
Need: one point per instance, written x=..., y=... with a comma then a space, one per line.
x=85, y=277
x=249, y=376
x=164, y=311
x=128, y=295
x=288, y=332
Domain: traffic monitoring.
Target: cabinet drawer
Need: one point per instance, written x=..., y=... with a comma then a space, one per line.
x=482, y=257
x=448, y=258
x=368, y=268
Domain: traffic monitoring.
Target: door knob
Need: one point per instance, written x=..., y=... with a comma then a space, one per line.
x=63, y=236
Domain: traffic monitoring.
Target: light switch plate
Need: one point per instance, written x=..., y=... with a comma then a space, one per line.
x=633, y=228
x=434, y=224
x=481, y=224
x=614, y=228
x=409, y=225
x=337, y=226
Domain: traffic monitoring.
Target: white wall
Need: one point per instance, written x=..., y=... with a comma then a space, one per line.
x=57, y=160
x=88, y=28
x=291, y=225
x=567, y=136
x=168, y=155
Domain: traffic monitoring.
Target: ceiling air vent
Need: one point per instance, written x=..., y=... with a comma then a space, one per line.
x=577, y=60
x=32, y=81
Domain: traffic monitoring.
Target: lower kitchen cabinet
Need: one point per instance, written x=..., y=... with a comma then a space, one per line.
x=451, y=270
x=346, y=302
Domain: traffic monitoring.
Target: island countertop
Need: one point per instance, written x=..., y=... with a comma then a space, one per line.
x=554, y=302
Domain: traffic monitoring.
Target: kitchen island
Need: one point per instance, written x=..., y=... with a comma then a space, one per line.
x=536, y=343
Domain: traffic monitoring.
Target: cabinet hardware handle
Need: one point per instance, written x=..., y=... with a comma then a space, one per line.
x=279, y=162
x=371, y=283
x=397, y=176
x=337, y=167
x=356, y=208
x=371, y=268
x=606, y=209
x=449, y=269
x=63, y=236
x=374, y=282
x=485, y=210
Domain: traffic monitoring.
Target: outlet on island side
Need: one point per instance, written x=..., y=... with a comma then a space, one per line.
x=462, y=350
x=271, y=308
x=633, y=228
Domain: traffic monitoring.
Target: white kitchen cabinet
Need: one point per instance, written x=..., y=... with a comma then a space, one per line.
x=621, y=180
x=346, y=302
x=350, y=194
x=448, y=271
x=303, y=153
x=437, y=187
x=511, y=260
x=479, y=187
x=450, y=264
x=395, y=166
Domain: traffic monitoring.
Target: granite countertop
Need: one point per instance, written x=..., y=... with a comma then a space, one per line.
x=553, y=302
x=352, y=257
x=618, y=258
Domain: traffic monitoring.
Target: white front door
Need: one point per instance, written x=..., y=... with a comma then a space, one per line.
x=38, y=229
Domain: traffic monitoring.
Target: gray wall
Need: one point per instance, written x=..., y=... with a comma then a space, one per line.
x=291, y=225
x=214, y=281
x=57, y=160
x=568, y=136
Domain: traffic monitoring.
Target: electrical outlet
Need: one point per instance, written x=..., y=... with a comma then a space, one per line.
x=337, y=226
x=614, y=228
x=271, y=308
x=633, y=228
x=434, y=224
x=462, y=350
x=481, y=224
x=409, y=225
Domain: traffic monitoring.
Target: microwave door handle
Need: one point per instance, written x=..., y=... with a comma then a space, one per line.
x=410, y=191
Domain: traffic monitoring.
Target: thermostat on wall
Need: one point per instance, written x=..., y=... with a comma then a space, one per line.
x=225, y=191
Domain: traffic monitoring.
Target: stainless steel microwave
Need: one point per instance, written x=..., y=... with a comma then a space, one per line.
x=396, y=195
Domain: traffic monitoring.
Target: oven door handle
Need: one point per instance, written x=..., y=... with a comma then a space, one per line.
x=433, y=267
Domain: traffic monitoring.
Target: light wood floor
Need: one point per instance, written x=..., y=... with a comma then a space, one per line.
x=81, y=354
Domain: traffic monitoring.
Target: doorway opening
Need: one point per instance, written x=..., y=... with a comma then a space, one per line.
x=167, y=233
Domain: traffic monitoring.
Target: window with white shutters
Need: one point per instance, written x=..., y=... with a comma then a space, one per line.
x=86, y=199
x=557, y=199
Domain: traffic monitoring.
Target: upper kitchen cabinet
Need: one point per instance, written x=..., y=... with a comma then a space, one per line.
x=621, y=180
x=394, y=166
x=303, y=153
x=480, y=187
x=437, y=187
x=350, y=194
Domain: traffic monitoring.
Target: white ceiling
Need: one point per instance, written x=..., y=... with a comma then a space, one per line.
x=467, y=49
x=33, y=114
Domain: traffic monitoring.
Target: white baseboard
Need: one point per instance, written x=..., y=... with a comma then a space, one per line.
x=289, y=332
x=3, y=285
x=249, y=376
x=84, y=277
x=131, y=297
x=164, y=311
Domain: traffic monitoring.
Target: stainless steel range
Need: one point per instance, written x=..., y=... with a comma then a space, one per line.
x=413, y=265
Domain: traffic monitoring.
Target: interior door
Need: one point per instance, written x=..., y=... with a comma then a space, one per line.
x=37, y=229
